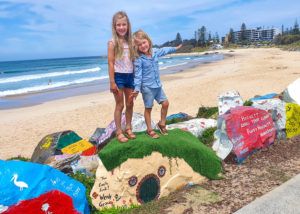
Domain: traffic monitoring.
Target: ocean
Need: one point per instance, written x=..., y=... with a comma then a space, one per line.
x=34, y=81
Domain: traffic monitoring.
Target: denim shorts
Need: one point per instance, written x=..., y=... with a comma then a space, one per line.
x=124, y=80
x=151, y=94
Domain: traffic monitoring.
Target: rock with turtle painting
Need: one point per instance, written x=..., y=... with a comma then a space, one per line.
x=146, y=169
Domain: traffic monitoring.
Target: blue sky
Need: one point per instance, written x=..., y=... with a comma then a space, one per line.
x=35, y=29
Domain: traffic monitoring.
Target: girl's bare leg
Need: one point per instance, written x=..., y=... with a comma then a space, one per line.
x=118, y=109
x=129, y=107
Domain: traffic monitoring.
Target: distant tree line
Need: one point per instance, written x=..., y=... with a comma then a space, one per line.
x=288, y=35
x=203, y=38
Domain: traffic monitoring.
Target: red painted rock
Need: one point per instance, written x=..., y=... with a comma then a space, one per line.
x=51, y=202
x=249, y=129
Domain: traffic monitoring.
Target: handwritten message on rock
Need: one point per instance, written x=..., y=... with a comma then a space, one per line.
x=249, y=129
x=138, y=181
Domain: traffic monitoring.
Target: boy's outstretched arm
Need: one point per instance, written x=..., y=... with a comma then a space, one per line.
x=178, y=47
x=167, y=50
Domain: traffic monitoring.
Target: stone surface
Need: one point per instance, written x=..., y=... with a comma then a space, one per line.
x=137, y=181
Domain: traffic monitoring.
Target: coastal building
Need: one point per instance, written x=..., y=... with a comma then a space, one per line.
x=255, y=35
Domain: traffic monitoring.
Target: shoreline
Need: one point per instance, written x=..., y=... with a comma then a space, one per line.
x=249, y=71
x=39, y=97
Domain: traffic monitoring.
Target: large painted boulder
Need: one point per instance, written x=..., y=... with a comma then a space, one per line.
x=51, y=202
x=196, y=126
x=277, y=109
x=292, y=120
x=247, y=129
x=21, y=181
x=146, y=169
x=228, y=100
x=291, y=93
x=65, y=142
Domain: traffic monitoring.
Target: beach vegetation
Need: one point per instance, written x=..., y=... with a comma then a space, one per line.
x=248, y=103
x=199, y=49
x=178, y=39
x=19, y=157
x=243, y=33
x=207, y=136
x=289, y=38
x=230, y=36
x=176, y=120
x=207, y=112
x=202, y=37
x=88, y=182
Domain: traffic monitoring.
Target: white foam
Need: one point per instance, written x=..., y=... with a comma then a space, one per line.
x=46, y=75
x=47, y=87
x=169, y=66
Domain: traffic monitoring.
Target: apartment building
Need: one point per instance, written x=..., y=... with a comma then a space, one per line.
x=254, y=35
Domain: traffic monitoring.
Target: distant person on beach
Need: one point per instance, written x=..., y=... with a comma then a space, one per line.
x=49, y=82
x=147, y=80
x=120, y=68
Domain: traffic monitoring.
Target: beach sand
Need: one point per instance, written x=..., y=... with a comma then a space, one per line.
x=249, y=71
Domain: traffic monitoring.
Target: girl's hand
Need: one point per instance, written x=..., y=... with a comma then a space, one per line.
x=113, y=87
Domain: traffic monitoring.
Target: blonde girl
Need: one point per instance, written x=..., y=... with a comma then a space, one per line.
x=120, y=68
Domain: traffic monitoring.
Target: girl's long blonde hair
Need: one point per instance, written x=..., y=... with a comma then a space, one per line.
x=118, y=46
x=138, y=35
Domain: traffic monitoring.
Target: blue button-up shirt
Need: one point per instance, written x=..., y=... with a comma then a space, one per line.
x=146, y=69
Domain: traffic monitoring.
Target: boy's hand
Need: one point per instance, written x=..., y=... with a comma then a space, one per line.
x=179, y=46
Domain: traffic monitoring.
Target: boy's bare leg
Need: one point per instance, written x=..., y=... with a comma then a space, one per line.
x=164, y=112
x=147, y=115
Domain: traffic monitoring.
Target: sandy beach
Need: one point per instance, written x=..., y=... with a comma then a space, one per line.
x=249, y=71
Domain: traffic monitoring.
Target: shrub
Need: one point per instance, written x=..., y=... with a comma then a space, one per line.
x=207, y=112
x=207, y=137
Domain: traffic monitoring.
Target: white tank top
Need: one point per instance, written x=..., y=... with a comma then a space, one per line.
x=123, y=64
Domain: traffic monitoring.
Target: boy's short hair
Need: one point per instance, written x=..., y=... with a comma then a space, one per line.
x=140, y=34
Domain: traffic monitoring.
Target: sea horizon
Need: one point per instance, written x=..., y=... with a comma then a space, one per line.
x=51, y=58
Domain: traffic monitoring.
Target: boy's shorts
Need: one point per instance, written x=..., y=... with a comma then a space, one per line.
x=124, y=80
x=151, y=94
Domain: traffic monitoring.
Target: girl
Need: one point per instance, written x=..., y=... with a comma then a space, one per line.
x=147, y=80
x=120, y=68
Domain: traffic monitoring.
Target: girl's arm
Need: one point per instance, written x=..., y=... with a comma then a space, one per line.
x=111, y=68
x=166, y=50
x=138, y=75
